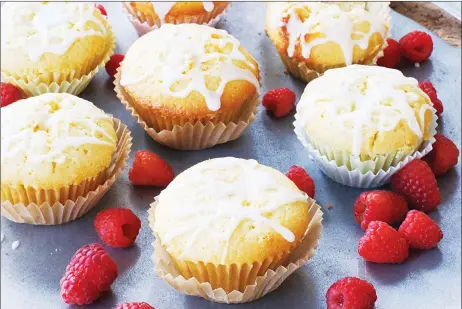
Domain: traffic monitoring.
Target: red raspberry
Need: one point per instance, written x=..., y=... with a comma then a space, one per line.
x=391, y=55
x=417, y=184
x=443, y=156
x=428, y=88
x=279, y=101
x=117, y=227
x=417, y=46
x=149, y=169
x=101, y=8
x=113, y=64
x=351, y=293
x=420, y=230
x=10, y=94
x=90, y=272
x=302, y=179
x=134, y=306
x=383, y=244
x=379, y=205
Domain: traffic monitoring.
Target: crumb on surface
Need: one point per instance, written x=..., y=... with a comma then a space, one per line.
x=15, y=245
x=417, y=65
x=330, y=206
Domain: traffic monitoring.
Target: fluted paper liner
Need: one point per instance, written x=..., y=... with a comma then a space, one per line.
x=209, y=19
x=77, y=205
x=165, y=267
x=56, y=82
x=300, y=70
x=344, y=169
x=192, y=136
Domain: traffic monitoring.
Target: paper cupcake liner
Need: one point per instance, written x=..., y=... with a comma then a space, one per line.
x=300, y=70
x=348, y=170
x=55, y=82
x=191, y=136
x=210, y=19
x=77, y=205
x=166, y=268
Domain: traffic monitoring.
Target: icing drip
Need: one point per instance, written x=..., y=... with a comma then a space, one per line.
x=42, y=126
x=337, y=24
x=242, y=191
x=190, y=54
x=366, y=97
x=52, y=28
x=164, y=7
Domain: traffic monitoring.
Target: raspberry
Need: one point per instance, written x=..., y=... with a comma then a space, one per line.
x=279, y=101
x=351, y=293
x=443, y=156
x=417, y=46
x=383, y=244
x=149, y=169
x=417, y=184
x=117, y=227
x=391, y=55
x=420, y=230
x=302, y=179
x=134, y=306
x=101, y=9
x=113, y=64
x=428, y=88
x=379, y=205
x=10, y=94
x=90, y=272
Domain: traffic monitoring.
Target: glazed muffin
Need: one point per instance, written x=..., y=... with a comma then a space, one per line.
x=312, y=37
x=152, y=15
x=365, y=117
x=53, y=47
x=55, y=147
x=233, y=220
x=197, y=74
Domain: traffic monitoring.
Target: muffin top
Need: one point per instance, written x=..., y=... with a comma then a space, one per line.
x=230, y=211
x=54, y=140
x=189, y=70
x=367, y=111
x=334, y=34
x=41, y=37
x=171, y=9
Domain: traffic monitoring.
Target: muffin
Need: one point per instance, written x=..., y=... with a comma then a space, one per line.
x=313, y=37
x=53, y=47
x=197, y=76
x=234, y=220
x=55, y=147
x=146, y=16
x=366, y=118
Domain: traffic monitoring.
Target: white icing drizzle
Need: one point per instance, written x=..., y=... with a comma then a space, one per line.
x=33, y=126
x=232, y=189
x=52, y=28
x=164, y=7
x=360, y=94
x=183, y=56
x=336, y=22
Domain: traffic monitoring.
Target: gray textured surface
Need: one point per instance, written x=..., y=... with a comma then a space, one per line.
x=428, y=280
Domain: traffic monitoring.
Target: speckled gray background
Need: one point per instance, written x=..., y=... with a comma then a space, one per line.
x=428, y=280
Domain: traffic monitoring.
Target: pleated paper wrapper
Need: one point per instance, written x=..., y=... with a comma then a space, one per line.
x=361, y=174
x=192, y=136
x=165, y=267
x=300, y=70
x=77, y=205
x=209, y=19
x=56, y=82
